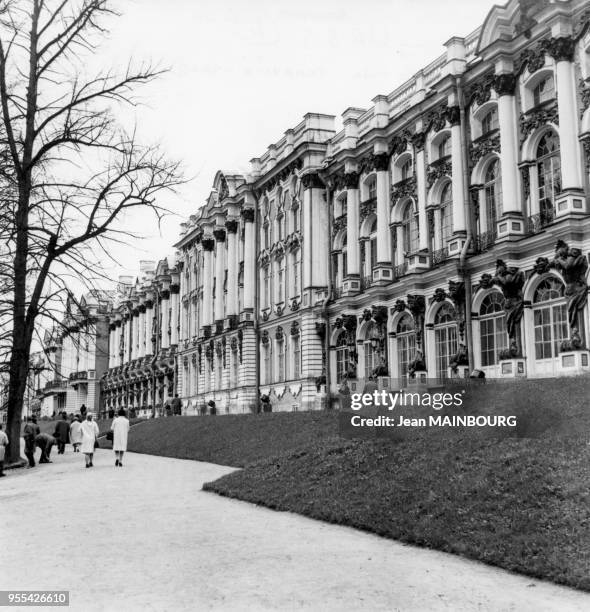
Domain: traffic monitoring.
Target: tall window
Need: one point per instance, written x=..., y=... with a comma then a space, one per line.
x=373, y=246
x=266, y=287
x=493, y=195
x=406, y=344
x=549, y=173
x=341, y=357
x=550, y=318
x=281, y=359
x=281, y=281
x=490, y=122
x=281, y=226
x=406, y=169
x=235, y=365
x=372, y=185
x=295, y=273
x=267, y=364
x=543, y=91
x=445, y=338
x=444, y=147
x=492, y=325
x=219, y=373
x=371, y=353
x=296, y=356
x=446, y=214
x=295, y=218
x=266, y=235
x=410, y=231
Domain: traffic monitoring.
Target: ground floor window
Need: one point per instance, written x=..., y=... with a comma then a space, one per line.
x=549, y=318
x=492, y=325
x=296, y=357
x=406, y=344
x=445, y=338
x=341, y=357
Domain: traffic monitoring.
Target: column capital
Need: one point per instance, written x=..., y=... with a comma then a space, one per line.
x=219, y=235
x=380, y=162
x=208, y=244
x=453, y=115
x=562, y=48
x=351, y=180
x=312, y=181
x=505, y=84
x=231, y=225
x=248, y=215
x=174, y=289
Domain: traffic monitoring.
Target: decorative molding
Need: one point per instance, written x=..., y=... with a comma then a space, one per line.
x=505, y=84
x=404, y=188
x=453, y=115
x=437, y=170
x=562, y=48
x=351, y=180
x=312, y=181
x=208, y=244
x=480, y=91
x=538, y=117
x=231, y=225
x=367, y=208
x=381, y=162
x=481, y=147
x=219, y=234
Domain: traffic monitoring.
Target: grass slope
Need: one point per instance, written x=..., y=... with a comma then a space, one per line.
x=235, y=440
x=519, y=503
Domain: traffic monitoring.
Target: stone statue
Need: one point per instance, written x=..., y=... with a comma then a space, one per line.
x=417, y=364
x=511, y=281
x=460, y=358
x=573, y=266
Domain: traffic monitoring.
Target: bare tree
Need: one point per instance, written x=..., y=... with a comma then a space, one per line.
x=70, y=171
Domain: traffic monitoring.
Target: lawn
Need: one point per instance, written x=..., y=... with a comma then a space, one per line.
x=518, y=501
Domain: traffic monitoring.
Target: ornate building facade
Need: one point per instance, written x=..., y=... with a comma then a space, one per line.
x=143, y=341
x=444, y=229
x=76, y=355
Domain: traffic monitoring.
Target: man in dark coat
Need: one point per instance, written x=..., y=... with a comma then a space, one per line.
x=45, y=442
x=62, y=433
x=29, y=434
x=176, y=406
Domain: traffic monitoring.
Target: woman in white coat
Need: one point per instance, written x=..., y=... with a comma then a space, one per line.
x=89, y=432
x=120, y=429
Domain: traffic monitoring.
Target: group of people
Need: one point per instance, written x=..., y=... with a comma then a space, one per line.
x=81, y=433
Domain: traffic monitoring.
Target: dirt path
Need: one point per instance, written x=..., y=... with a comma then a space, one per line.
x=145, y=537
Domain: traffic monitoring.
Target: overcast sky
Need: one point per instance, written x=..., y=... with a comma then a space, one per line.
x=244, y=71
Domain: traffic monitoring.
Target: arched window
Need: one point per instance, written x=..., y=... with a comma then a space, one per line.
x=543, y=91
x=295, y=216
x=446, y=214
x=444, y=147
x=493, y=195
x=341, y=357
x=410, y=230
x=406, y=343
x=281, y=226
x=549, y=318
x=489, y=123
x=549, y=174
x=445, y=338
x=492, y=325
x=373, y=245
x=406, y=169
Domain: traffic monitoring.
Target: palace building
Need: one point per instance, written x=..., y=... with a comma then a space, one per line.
x=443, y=230
x=143, y=341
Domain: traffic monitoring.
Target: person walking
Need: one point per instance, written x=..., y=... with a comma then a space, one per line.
x=120, y=429
x=89, y=430
x=176, y=406
x=30, y=432
x=76, y=433
x=62, y=433
x=45, y=442
x=3, y=445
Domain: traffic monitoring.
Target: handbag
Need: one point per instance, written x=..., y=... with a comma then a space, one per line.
x=96, y=444
x=110, y=435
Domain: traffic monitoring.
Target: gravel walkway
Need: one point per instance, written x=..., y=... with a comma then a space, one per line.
x=145, y=537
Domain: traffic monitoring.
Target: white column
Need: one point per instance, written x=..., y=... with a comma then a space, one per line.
x=504, y=85
x=219, y=272
x=208, y=245
x=174, y=304
x=164, y=306
x=149, y=316
x=320, y=249
x=141, y=332
x=135, y=334
x=232, y=267
x=307, y=248
x=420, y=164
x=352, y=223
x=249, y=258
x=383, y=189
x=562, y=51
x=457, y=180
